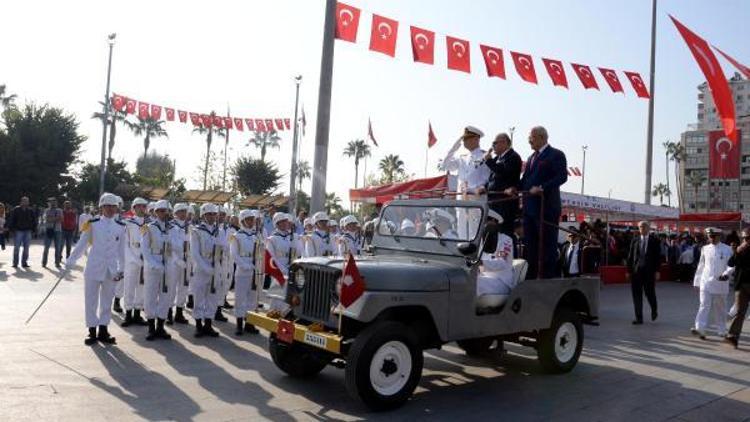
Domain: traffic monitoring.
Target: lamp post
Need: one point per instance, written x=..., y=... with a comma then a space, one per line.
x=583, y=173
x=293, y=176
x=105, y=122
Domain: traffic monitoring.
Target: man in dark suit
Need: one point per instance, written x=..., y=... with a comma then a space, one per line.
x=644, y=259
x=505, y=176
x=571, y=255
x=741, y=263
x=546, y=170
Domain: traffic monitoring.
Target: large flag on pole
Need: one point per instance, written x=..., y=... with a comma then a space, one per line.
x=723, y=157
x=369, y=132
x=431, y=139
x=717, y=82
x=741, y=67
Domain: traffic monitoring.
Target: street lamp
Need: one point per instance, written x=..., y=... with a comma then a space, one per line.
x=105, y=121
x=583, y=173
x=293, y=176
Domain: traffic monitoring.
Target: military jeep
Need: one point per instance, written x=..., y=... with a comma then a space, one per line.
x=420, y=294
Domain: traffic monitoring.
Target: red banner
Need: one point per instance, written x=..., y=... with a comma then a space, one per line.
x=228, y=123
x=459, y=55
x=383, y=36
x=524, y=66
x=347, y=22
x=612, y=80
x=129, y=106
x=585, y=75
x=207, y=120
x=250, y=123
x=238, y=124
x=155, y=112
x=143, y=110
x=493, y=61
x=118, y=102
x=279, y=124
x=269, y=124
x=423, y=45
x=638, y=85
x=260, y=125
x=556, y=72
x=288, y=123
x=195, y=119
x=431, y=139
x=182, y=115
x=723, y=156
x=170, y=114
x=741, y=67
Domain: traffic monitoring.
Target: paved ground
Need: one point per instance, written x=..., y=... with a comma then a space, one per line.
x=652, y=372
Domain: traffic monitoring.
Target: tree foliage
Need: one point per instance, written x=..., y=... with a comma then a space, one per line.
x=357, y=149
x=392, y=168
x=154, y=169
x=255, y=176
x=37, y=146
x=264, y=140
x=118, y=180
x=149, y=128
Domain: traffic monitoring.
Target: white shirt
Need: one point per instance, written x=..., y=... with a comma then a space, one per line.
x=319, y=243
x=573, y=251
x=155, y=245
x=349, y=242
x=472, y=172
x=179, y=238
x=497, y=267
x=285, y=248
x=134, y=234
x=713, y=264
x=242, y=249
x=204, y=245
x=106, y=257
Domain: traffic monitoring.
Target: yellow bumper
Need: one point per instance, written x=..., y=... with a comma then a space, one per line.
x=320, y=339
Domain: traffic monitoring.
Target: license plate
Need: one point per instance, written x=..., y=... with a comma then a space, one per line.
x=285, y=331
x=315, y=340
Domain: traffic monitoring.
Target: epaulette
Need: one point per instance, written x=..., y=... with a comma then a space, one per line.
x=144, y=229
x=131, y=220
x=87, y=224
x=94, y=220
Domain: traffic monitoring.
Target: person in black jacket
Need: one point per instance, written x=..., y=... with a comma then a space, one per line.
x=741, y=263
x=506, y=174
x=571, y=254
x=22, y=222
x=644, y=259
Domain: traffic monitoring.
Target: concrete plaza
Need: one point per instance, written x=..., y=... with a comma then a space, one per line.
x=653, y=372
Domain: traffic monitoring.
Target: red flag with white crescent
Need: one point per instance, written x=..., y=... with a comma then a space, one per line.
x=269, y=124
x=279, y=124
x=384, y=34
x=723, y=156
x=369, y=132
x=250, y=123
x=130, y=106
x=288, y=123
x=352, y=283
x=207, y=120
x=459, y=54
x=218, y=121
x=228, y=123
x=612, y=80
x=118, y=102
x=711, y=68
x=195, y=119
x=238, y=124
x=182, y=115
x=638, y=85
x=260, y=125
x=493, y=61
x=524, y=66
x=347, y=22
x=272, y=269
x=143, y=110
x=170, y=114
x=741, y=67
x=155, y=111
x=556, y=72
x=423, y=45
x=431, y=139
x=585, y=75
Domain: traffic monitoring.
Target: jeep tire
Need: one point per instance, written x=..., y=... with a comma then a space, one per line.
x=384, y=365
x=296, y=360
x=559, y=346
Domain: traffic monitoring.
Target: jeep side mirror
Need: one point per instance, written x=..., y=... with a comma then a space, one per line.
x=467, y=248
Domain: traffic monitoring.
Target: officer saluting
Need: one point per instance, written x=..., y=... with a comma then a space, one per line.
x=204, y=242
x=105, y=239
x=242, y=246
x=319, y=242
x=156, y=248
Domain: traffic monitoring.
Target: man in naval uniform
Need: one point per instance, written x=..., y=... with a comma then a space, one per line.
x=104, y=238
x=440, y=224
x=225, y=263
x=156, y=248
x=179, y=273
x=204, y=242
x=472, y=178
x=133, y=282
x=243, y=247
x=712, y=279
x=350, y=240
x=319, y=242
x=284, y=247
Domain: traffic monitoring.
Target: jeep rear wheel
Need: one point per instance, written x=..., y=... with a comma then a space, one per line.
x=384, y=365
x=559, y=346
x=296, y=360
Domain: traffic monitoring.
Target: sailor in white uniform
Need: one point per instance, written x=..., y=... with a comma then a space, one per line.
x=104, y=238
x=440, y=224
x=243, y=246
x=284, y=247
x=319, y=242
x=225, y=262
x=133, y=282
x=472, y=177
x=156, y=247
x=204, y=245
x=496, y=273
x=350, y=240
x=712, y=278
x=178, y=272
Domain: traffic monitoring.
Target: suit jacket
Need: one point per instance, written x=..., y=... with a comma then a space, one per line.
x=741, y=263
x=548, y=170
x=506, y=171
x=648, y=264
x=565, y=262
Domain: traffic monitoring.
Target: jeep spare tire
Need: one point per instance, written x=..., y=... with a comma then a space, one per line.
x=559, y=346
x=296, y=360
x=384, y=365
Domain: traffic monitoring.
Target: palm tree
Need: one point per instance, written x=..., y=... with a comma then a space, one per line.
x=668, y=151
x=115, y=116
x=678, y=155
x=148, y=128
x=265, y=140
x=303, y=173
x=224, y=133
x=696, y=180
x=332, y=203
x=391, y=166
x=6, y=100
x=660, y=190
x=209, y=132
x=359, y=150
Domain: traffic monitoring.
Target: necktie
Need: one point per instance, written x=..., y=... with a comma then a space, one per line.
x=532, y=160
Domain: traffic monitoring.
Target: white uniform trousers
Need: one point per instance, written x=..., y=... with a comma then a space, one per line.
x=204, y=302
x=133, y=294
x=119, y=289
x=156, y=302
x=468, y=220
x=245, y=298
x=98, y=299
x=712, y=305
x=179, y=278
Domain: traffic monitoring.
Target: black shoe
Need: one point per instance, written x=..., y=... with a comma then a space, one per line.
x=208, y=329
x=91, y=339
x=654, y=315
x=170, y=320
x=239, y=331
x=179, y=317
x=104, y=336
x=250, y=328
x=116, y=306
x=57, y=265
x=137, y=320
x=151, y=336
x=637, y=322
x=226, y=305
x=14, y=265
x=128, y=319
x=26, y=266
x=190, y=302
x=160, y=331
x=199, y=328
x=734, y=341
x=219, y=316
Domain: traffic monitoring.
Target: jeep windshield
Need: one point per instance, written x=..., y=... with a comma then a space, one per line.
x=453, y=223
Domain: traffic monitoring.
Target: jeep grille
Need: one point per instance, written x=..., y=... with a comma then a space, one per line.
x=319, y=294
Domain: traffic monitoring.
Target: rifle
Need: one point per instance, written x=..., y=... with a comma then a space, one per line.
x=164, y=288
x=185, y=246
x=258, y=260
x=213, y=271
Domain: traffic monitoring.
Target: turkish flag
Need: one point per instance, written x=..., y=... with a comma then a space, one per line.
x=207, y=120
x=143, y=110
x=260, y=125
x=723, y=156
x=279, y=124
x=218, y=121
x=118, y=102
x=585, y=75
x=431, y=139
x=370, y=134
x=228, y=122
x=238, y=124
x=459, y=55
x=272, y=269
x=612, y=80
x=556, y=72
x=129, y=106
x=352, y=283
x=741, y=67
x=170, y=114
x=182, y=115
x=423, y=45
x=195, y=119
x=493, y=61
x=638, y=85
x=155, y=112
x=269, y=124
x=250, y=123
x=524, y=66
x=711, y=68
x=288, y=123
x=384, y=34
x=347, y=22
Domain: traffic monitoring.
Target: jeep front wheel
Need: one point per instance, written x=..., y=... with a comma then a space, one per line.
x=296, y=360
x=559, y=346
x=384, y=365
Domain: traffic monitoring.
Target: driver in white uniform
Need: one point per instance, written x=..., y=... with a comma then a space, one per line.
x=496, y=273
x=440, y=224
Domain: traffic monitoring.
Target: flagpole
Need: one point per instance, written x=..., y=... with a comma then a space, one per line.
x=650, y=129
x=293, y=172
x=426, y=159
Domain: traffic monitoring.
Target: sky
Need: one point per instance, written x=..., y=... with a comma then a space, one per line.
x=203, y=56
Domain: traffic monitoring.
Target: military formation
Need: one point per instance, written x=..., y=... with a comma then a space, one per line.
x=157, y=263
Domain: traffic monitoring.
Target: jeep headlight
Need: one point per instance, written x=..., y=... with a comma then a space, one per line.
x=299, y=278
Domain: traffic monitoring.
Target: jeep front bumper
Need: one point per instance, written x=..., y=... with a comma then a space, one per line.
x=300, y=333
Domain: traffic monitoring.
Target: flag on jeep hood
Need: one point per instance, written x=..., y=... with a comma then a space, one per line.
x=352, y=283
x=273, y=270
